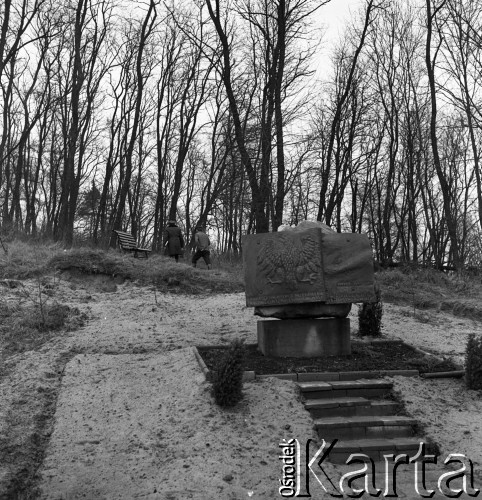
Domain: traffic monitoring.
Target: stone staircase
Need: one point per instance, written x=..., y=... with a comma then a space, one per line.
x=358, y=414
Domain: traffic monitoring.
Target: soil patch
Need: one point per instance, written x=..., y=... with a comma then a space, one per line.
x=376, y=356
x=91, y=281
x=128, y=427
x=243, y=443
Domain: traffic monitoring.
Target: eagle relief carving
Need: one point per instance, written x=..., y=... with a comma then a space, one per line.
x=289, y=261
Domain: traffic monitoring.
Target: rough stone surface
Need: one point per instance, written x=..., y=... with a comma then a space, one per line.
x=294, y=267
x=283, y=268
x=348, y=268
x=307, y=224
x=304, y=338
x=308, y=310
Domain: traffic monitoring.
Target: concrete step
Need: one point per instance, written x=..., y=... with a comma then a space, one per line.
x=363, y=427
x=349, y=407
x=367, y=388
x=376, y=449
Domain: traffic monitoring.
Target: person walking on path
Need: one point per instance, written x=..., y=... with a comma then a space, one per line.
x=173, y=240
x=203, y=244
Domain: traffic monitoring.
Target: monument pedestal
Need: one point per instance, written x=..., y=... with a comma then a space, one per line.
x=304, y=338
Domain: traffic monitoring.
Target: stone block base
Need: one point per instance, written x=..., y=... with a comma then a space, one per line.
x=304, y=338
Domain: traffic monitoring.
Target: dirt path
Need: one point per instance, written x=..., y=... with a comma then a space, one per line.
x=132, y=426
x=138, y=343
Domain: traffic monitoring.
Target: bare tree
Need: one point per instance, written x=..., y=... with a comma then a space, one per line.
x=193, y=92
x=462, y=60
x=432, y=9
x=20, y=71
x=85, y=71
x=259, y=192
x=370, y=9
x=140, y=78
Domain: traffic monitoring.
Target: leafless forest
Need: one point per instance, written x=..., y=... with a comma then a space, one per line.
x=122, y=114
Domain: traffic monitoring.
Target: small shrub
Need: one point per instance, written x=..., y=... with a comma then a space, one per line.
x=50, y=317
x=5, y=311
x=370, y=317
x=473, y=362
x=228, y=379
x=424, y=317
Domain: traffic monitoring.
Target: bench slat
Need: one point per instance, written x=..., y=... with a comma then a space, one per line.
x=128, y=243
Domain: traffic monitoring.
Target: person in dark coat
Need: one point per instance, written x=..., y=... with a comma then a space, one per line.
x=173, y=240
x=203, y=244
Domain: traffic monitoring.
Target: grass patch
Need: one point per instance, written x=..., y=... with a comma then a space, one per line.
x=420, y=288
x=22, y=327
x=158, y=270
x=24, y=260
x=424, y=289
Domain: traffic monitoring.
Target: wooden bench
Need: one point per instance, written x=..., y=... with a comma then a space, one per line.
x=129, y=244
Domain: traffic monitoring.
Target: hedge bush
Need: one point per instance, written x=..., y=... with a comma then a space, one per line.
x=473, y=362
x=228, y=379
x=370, y=317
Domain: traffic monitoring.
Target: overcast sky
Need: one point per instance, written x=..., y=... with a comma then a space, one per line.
x=336, y=12
x=333, y=16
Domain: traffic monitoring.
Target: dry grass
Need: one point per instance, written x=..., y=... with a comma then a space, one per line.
x=422, y=289
x=24, y=260
x=428, y=289
x=24, y=328
x=157, y=270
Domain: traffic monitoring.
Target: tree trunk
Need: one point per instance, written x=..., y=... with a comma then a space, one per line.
x=259, y=202
x=444, y=185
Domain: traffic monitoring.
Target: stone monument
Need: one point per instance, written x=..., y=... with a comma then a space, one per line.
x=304, y=279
